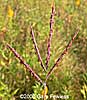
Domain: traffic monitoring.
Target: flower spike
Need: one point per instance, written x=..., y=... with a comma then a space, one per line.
x=36, y=48
x=50, y=35
x=27, y=66
x=61, y=56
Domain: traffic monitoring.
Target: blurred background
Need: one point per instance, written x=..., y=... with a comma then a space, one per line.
x=70, y=77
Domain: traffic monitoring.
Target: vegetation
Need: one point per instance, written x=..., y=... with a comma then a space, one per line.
x=70, y=76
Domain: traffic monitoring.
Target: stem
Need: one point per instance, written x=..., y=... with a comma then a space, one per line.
x=44, y=98
x=61, y=56
x=36, y=48
x=50, y=35
x=25, y=64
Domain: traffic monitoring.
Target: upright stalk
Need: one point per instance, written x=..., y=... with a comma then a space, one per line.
x=50, y=35
x=36, y=48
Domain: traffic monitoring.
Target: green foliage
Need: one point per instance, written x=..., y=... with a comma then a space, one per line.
x=15, y=31
x=83, y=89
x=6, y=93
x=37, y=90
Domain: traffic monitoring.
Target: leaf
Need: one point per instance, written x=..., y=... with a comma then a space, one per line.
x=2, y=63
x=1, y=95
x=3, y=54
x=14, y=92
x=83, y=92
x=1, y=83
x=85, y=87
x=1, y=88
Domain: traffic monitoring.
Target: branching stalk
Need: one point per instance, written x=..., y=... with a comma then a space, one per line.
x=27, y=66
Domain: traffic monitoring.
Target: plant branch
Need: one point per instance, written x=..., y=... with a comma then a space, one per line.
x=25, y=64
x=50, y=35
x=36, y=48
x=61, y=56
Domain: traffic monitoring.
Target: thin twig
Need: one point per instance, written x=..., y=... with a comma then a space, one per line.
x=36, y=48
x=25, y=64
x=50, y=35
x=61, y=56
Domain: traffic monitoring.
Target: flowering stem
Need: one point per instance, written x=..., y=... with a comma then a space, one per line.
x=36, y=48
x=25, y=64
x=50, y=35
x=61, y=56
